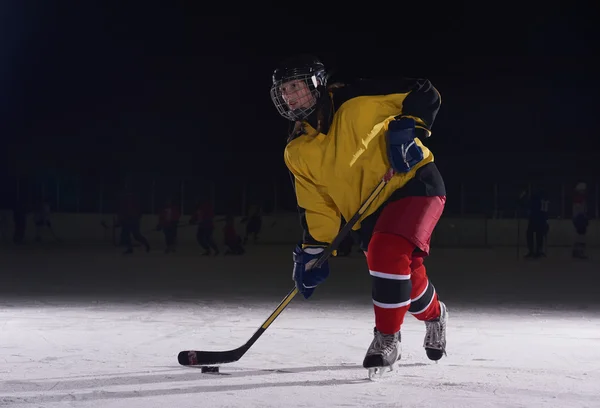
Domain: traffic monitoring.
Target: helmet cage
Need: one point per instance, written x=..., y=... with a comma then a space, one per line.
x=312, y=78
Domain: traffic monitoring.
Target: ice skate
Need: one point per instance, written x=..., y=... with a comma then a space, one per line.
x=384, y=351
x=435, y=336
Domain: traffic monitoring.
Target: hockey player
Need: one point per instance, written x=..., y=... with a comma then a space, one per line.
x=338, y=152
x=537, y=226
x=232, y=241
x=41, y=218
x=253, y=223
x=204, y=217
x=130, y=217
x=580, y=220
x=168, y=222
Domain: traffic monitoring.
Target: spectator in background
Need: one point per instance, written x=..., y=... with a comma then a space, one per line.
x=233, y=242
x=537, y=228
x=204, y=218
x=253, y=223
x=168, y=220
x=130, y=219
x=580, y=220
x=41, y=219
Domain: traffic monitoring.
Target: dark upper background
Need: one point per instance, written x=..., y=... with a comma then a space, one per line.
x=114, y=87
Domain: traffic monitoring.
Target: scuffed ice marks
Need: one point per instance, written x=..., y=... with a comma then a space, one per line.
x=93, y=351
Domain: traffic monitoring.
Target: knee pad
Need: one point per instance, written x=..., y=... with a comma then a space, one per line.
x=389, y=253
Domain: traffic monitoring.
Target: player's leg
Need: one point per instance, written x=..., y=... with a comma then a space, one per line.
x=401, y=234
x=530, y=239
x=137, y=234
x=126, y=236
x=425, y=306
x=580, y=223
x=388, y=258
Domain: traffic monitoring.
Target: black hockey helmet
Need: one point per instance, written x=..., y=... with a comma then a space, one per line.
x=306, y=69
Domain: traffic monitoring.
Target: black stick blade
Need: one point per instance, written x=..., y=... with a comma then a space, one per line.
x=193, y=357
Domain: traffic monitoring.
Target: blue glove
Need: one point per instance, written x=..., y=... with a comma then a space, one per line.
x=306, y=277
x=403, y=152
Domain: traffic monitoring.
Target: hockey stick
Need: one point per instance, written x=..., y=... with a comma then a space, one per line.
x=194, y=357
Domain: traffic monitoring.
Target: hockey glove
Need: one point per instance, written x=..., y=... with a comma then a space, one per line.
x=306, y=277
x=403, y=152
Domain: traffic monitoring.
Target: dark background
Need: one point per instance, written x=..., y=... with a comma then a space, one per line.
x=114, y=91
x=150, y=94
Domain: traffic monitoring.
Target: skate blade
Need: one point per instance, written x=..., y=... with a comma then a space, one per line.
x=376, y=373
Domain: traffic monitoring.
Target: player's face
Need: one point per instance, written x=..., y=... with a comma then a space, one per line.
x=297, y=95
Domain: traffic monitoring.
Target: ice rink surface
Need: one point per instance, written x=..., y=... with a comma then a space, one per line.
x=87, y=327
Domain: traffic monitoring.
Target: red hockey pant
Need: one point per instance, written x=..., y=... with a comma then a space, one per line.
x=395, y=255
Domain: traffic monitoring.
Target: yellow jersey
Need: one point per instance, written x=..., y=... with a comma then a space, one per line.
x=336, y=171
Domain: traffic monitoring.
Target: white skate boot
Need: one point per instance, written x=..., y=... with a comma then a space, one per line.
x=435, y=336
x=384, y=351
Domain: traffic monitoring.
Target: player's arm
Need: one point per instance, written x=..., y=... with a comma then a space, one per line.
x=421, y=100
x=422, y=104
